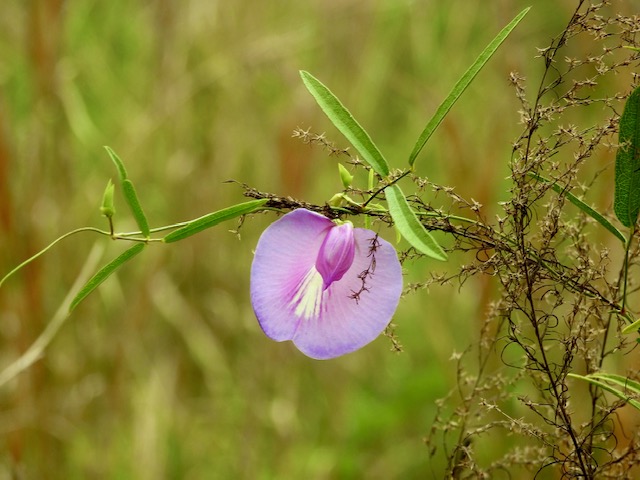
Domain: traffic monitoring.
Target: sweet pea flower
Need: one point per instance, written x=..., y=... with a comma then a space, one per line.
x=328, y=287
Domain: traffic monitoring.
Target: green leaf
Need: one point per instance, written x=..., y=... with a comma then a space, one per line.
x=131, y=197
x=122, y=172
x=624, y=382
x=213, y=219
x=626, y=202
x=462, y=84
x=632, y=328
x=130, y=194
x=595, y=380
x=409, y=226
x=582, y=206
x=346, y=124
x=104, y=273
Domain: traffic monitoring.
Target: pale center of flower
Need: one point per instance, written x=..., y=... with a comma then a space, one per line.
x=336, y=253
x=308, y=297
x=334, y=259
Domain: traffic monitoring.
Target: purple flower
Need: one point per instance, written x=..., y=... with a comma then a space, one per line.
x=330, y=288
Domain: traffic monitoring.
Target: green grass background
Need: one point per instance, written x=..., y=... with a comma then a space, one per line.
x=164, y=371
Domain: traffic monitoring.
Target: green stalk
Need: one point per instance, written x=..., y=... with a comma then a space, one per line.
x=48, y=247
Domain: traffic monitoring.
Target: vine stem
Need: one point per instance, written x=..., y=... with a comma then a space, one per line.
x=48, y=247
x=128, y=236
x=377, y=192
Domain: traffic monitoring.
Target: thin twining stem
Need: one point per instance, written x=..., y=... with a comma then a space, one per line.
x=48, y=247
x=377, y=192
x=128, y=236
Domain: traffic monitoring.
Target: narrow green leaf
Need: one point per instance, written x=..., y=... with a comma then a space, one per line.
x=344, y=121
x=621, y=395
x=632, y=328
x=131, y=197
x=626, y=202
x=130, y=194
x=122, y=172
x=104, y=273
x=582, y=206
x=213, y=219
x=409, y=226
x=624, y=382
x=462, y=84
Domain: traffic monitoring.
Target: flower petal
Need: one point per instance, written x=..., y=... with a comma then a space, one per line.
x=286, y=253
x=336, y=253
x=344, y=323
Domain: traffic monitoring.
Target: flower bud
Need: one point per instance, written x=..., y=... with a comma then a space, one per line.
x=345, y=176
x=107, y=209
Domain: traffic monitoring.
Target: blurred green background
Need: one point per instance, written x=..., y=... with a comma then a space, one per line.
x=164, y=372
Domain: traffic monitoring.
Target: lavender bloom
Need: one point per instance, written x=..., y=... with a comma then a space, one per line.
x=329, y=288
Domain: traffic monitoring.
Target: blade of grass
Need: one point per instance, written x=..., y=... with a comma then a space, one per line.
x=582, y=206
x=462, y=84
x=621, y=395
x=409, y=226
x=213, y=219
x=632, y=328
x=36, y=350
x=619, y=380
x=346, y=124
